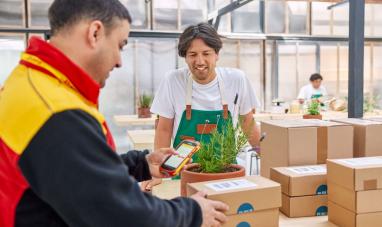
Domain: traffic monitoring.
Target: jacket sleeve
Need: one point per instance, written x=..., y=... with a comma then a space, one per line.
x=69, y=165
x=137, y=164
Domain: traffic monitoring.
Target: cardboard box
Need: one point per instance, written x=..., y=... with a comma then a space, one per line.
x=377, y=119
x=304, y=206
x=357, y=174
x=243, y=194
x=357, y=202
x=345, y=218
x=301, y=180
x=334, y=140
x=303, y=142
x=263, y=218
x=367, y=133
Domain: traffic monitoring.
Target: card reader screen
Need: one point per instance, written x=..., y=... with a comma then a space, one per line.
x=175, y=160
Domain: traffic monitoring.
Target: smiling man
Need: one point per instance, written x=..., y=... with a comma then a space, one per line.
x=191, y=102
x=58, y=165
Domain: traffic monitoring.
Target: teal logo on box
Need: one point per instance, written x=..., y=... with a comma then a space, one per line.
x=322, y=211
x=322, y=190
x=243, y=224
x=245, y=208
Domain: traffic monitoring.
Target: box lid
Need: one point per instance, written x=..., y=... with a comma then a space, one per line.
x=358, y=121
x=357, y=174
x=377, y=119
x=301, y=180
x=303, y=123
x=243, y=194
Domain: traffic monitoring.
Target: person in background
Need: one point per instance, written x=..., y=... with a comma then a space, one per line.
x=58, y=162
x=315, y=90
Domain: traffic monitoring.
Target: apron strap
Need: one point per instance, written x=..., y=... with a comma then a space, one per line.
x=223, y=100
x=189, y=97
x=188, y=112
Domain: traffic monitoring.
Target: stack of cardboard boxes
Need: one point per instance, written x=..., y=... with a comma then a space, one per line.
x=252, y=200
x=303, y=142
x=367, y=141
x=304, y=190
x=355, y=191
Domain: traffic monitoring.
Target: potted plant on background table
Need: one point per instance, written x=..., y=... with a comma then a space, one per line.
x=144, y=106
x=216, y=158
x=313, y=111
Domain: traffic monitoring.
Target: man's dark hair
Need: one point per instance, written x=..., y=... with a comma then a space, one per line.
x=64, y=13
x=202, y=31
x=315, y=76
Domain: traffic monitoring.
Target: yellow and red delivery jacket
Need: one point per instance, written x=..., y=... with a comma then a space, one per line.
x=58, y=165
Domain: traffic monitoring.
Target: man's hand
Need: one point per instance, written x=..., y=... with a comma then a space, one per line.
x=147, y=186
x=156, y=159
x=213, y=211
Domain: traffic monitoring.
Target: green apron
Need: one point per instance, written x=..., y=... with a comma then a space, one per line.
x=317, y=96
x=199, y=124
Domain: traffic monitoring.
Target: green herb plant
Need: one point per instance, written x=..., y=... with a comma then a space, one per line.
x=145, y=101
x=314, y=108
x=220, y=152
x=370, y=103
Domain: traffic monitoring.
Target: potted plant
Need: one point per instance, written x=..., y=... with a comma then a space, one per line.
x=313, y=111
x=144, y=106
x=216, y=158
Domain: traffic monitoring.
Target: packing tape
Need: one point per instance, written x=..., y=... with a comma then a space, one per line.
x=322, y=144
x=370, y=184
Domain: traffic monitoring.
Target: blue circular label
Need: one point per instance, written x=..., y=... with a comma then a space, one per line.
x=322, y=190
x=245, y=208
x=322, y=211
x=243, y=224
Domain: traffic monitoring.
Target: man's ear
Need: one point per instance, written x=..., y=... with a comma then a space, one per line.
x=96, y=32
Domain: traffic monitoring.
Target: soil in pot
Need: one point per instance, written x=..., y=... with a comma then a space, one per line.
x=308, y=116
x=192, y=174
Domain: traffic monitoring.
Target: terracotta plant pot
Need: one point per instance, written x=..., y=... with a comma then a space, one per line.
x=144, y=112
x=192, y=177
x=309, y=116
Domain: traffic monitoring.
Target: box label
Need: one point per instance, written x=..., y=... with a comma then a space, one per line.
x=308, y=169
x=245, y=208
x=243, y=224
x=231, y=185
x=322, y=190
x=362, y=161
x=322, y=211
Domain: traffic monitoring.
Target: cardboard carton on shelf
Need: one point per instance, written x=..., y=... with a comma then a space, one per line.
x=346, y=218
x=356, y=201
x=356, y=174
x=367, y=142
x=304, y=190
x=243, y=194
x=301, y=180
x=305, y=206
x=253, y=199
x=356, y=184
x=263, y=218
x=303, y=142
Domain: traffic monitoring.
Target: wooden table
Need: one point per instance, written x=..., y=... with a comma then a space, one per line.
x=171, y=188
x=133, y=120
x=142, y=139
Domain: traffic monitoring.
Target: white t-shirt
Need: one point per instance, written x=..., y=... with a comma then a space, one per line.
x=170, y=98
x=308, y=91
